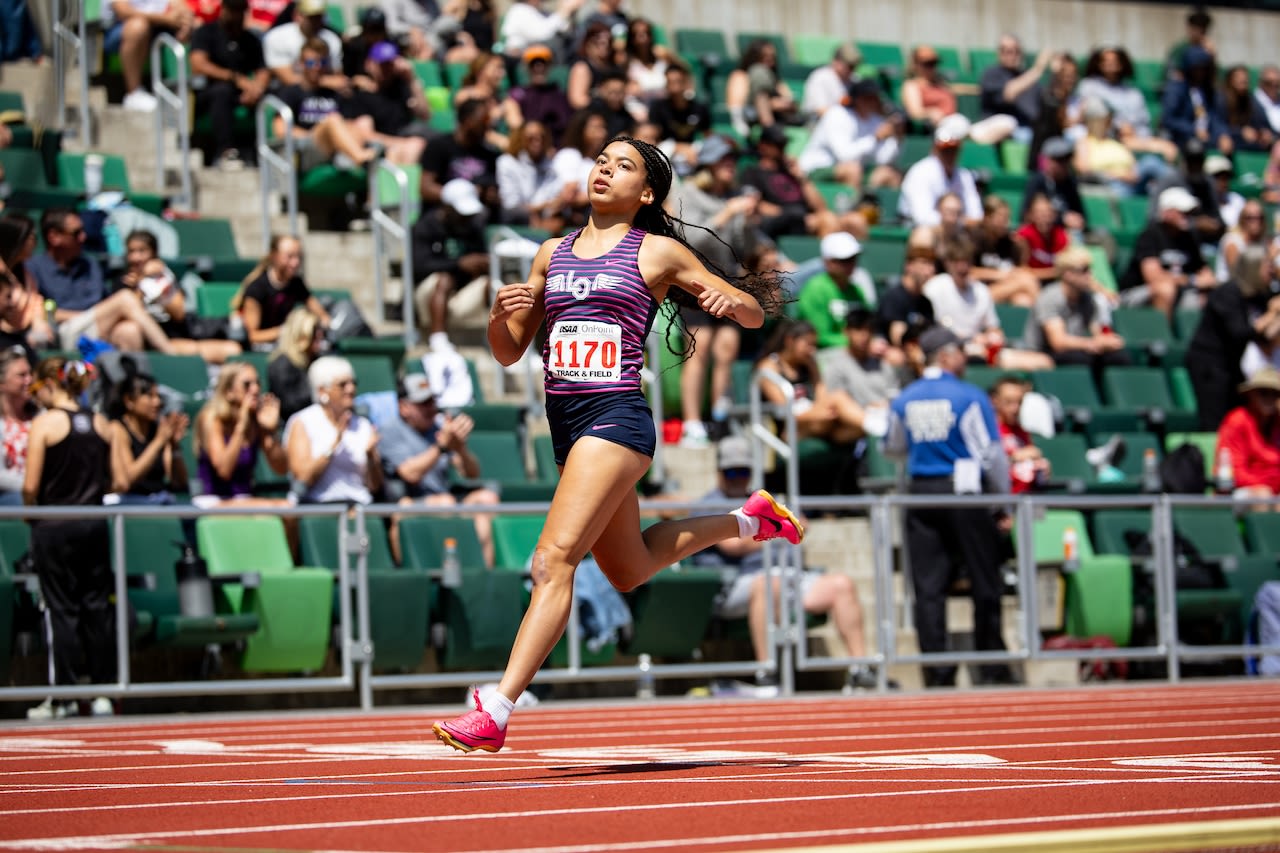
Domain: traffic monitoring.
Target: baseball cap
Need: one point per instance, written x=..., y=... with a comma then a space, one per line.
x=839, y=246
x=307, y=8
x=1176, y=198
x=952, y=130
x=1057, y=147
x=773, y=134
x=461, y=195
x=1216, y=164
x=849, y=54
x=537, y=52
x=415, y=388
x=863, y=89
x=1265, y=379
x=383, y=51
x=733, y=452
x=937, y=338
x=714, y=149
x=373, y=18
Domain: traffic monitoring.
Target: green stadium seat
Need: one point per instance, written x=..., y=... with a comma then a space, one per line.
x=695, y=44
x=883, y=258
x=811, y=49
x=373, y=373
x=800, y=247
x=1262, y=529
x=497, y=417
x=981, y=158
x=500, y=454
x=428, y=73
x=206, y=241
x=187, y=374
x=1068, y=470
x=1013, y=320
x=213, y=298
x=1147, y=389
x=671, y=613
x=883, y=56
x=1100, y=211
x=1099, y=590
x=544, y=458
x=1133, y=212
x=1073, y=386
x=70, y=165
x=1101, y=268
x=1148, y=336
x=1013, y=157
x=292, y=603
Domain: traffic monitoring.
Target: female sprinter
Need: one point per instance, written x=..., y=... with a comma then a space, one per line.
x=598, y=290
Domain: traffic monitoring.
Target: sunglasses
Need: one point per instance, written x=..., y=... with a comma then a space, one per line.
x=736, y=473
x=1082, y=270
x=78, y=232
x=250, y=383
x=314, y=63
x=929, y=63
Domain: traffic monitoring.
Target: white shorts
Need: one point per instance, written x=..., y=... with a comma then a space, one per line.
x=468, y=304
x=84, y=324
x=734, y=603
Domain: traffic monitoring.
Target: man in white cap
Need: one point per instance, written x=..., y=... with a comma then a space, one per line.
x=938, y=174
x=282, y=45
x=827, y=297
x=1221, y=172
x=1166, y=257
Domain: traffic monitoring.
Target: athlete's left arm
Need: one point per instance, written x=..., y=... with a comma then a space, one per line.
x=666, y=262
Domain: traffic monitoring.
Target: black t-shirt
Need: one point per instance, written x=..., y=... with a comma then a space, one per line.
x=1176, y=250
x=899, y=306
x=241, y=54
x=683, y=124
x=994, y=252
x=440, y=240
x=1064, y=194
x=276, y=304
x=388, y=107
x=311, y=107
x=446, y=158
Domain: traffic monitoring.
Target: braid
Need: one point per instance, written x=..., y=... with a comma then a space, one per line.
x=765, y=286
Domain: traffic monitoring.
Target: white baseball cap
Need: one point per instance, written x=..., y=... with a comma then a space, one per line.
x=840, y=246
x=461, y=195
x=1177, y=198
x=952, y=130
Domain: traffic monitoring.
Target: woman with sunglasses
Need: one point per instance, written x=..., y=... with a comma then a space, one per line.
x=146, y=460
x=333, y=451
x=22, y=317
x=927, y=97
x=595, y=294
x=17, y=410
x=234, y=428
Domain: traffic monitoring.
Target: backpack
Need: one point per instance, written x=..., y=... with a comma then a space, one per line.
x=1191, y=569
x=1182, y=471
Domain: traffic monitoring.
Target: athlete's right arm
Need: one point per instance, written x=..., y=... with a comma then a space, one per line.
x=518, y=310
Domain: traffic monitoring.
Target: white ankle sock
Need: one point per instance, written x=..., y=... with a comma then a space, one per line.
x=499, y=707
x=748, y=525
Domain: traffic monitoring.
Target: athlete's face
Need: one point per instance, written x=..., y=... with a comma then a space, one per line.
x=619, y=177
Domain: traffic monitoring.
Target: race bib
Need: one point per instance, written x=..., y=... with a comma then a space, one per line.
x=585, y=351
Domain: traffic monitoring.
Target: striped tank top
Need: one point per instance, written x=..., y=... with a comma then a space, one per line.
x=598, y=315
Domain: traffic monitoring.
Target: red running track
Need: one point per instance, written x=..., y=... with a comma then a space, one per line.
x=1095, y=769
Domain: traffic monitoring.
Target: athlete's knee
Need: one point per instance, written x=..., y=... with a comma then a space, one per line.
x=548, y=566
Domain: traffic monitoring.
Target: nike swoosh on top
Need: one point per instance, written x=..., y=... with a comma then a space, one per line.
x=602, y=426
x=776, y=524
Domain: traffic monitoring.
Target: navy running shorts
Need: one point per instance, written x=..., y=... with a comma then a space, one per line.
x=621, y=417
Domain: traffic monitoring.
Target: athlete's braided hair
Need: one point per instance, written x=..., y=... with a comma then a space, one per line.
x=765, y=286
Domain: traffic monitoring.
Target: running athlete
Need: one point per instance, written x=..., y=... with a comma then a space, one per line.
x=597, y=291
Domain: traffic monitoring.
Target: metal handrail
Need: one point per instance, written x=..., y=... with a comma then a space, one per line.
x=278, y=171
x=77, y=40
x=397, y=229
x=173, y=107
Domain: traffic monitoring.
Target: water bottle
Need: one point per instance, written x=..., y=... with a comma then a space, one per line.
x=1224, y=475
x=1070, y=550
x=1150, y=472
x=195, y=595
x=644, y=684
x=50, y=311
x=451, y=570
x=93, y=164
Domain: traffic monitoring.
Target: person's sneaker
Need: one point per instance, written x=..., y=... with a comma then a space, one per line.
x=864, y=678
x=230, y=161
x=1105, y=455
x=102, y=707
x=140, y=101
x=875, y=421
x=775, y=519
x=693, y=434
x=51, y=710
x=473, y=730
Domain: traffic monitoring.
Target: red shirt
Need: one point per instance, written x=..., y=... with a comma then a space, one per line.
x=1022, y=475
x=1042, y=247
x=1255, y=458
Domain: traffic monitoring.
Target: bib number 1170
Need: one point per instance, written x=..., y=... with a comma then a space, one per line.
x=586, y=352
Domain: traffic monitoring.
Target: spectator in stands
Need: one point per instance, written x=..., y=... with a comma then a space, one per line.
x=596, y=58
x=1244, y=309
x=485, y=77
x=608, y=14
x=864, y=367
x=147, y=465
x=1059, y=112
x=1166, y=256
x=754, y=93
x=282, y=48
x=333, y=451
x=75, y=283
x=904, y=305
x=646, y=64
x=130, y=25
x=840, y=287
x=531, y=191
x=1010, y=88
x=610, y=101
x=1250, y=434
x=355, y=48
x=1102, y=159
x=965, y=307
x=390, y=106
x=17, y=246
x=999, y=259
x=477, y=29
x=321, y=132
x=68, y=464
x=950, y=208
x=1246, y=121
x=451, y=261
x=1028, y=467
x=273, y=289
x=1198, y=23
x=1108, y=76
x=464, y=154
x=301, y=341
x=583, y=140
x=830, y=594
x=1192, y=106
x=1057, y=180
x=17, y=410
x=157, y=288
x=927, y=97
x=681, y=118
x=236, y=426
x=528, y=24
x=23, y=324
x=790, y=203
x=1207, y=224
x=421, y=26
x=820, y=413
x=19, y=38
x=828, y=85
x=938, y=174
x=1221, y=173
x=421, y=446
x=856, y=137
x=1267, y=94
x=1041, y=238
x=711, y=196
x=1251, y=229
x=229, y=59
x=1071, y=322
x=541, y=99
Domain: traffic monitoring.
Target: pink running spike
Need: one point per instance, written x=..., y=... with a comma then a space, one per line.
x=775, y=519
x=473, y=730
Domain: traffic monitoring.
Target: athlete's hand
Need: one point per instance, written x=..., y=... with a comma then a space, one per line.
x=509, y=299
x=719, y=304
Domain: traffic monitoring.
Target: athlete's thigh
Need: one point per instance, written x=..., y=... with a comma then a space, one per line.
x=598, y=477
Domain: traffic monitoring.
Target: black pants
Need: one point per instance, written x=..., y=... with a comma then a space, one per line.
x=219, y=99
x=73, y=562
x=1215, y=386
x=939, y=541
